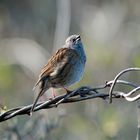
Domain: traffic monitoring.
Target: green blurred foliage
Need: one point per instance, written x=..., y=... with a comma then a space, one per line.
x=137, y=60
x=6, y=76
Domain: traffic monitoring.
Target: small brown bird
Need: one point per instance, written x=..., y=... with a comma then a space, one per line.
x=64, y=68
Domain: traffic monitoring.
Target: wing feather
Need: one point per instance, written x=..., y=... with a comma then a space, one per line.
x=62, y=56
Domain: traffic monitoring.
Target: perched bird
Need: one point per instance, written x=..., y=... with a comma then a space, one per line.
x=64, y=68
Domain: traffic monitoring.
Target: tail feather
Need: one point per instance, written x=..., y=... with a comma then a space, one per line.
x=42, y=88
x=36, y=84
x=41, y=92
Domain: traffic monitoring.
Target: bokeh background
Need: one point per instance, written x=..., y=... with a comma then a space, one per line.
x=31, y=30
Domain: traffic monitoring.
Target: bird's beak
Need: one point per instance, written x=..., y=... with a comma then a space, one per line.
x=78, y=38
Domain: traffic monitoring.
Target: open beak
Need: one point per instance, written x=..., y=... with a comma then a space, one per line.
x=78, y=38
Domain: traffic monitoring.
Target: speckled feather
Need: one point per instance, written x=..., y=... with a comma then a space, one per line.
x=64, y=68
x=62, y=57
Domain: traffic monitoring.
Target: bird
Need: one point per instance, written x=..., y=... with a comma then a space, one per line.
x=64, y=68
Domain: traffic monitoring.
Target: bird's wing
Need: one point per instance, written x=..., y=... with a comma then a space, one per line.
x=62, y=56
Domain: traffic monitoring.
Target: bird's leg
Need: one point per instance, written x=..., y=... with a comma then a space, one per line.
x=53, y=93
x=66, y=96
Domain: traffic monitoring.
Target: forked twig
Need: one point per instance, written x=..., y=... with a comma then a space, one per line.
x=116, y=78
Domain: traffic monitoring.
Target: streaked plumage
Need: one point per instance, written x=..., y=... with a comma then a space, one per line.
x=64, y=68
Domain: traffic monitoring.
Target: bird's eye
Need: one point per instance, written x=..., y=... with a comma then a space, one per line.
x=74, y=40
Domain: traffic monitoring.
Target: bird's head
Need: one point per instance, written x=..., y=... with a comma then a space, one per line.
x=73, y=40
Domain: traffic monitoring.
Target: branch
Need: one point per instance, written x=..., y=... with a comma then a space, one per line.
x=80, y=94
x=116, y=78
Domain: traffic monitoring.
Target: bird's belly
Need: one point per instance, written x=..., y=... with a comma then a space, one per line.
x=71, y=74
x=74, y=74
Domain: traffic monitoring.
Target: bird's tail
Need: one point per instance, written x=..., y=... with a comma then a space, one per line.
x=42, y=89
x=36, y=84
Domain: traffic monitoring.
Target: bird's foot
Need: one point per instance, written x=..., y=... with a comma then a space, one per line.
x=53, y=93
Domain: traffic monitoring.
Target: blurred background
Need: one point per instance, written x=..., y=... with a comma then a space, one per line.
x=31, y=30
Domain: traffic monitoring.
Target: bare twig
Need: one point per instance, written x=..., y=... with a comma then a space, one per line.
x=116, y=78
x=80, y=94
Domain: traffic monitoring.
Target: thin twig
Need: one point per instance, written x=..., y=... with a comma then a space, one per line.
x=116, y=78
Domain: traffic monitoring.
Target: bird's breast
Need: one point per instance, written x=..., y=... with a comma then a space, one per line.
x=74, y=74
x=70, y=70
x=70, y=74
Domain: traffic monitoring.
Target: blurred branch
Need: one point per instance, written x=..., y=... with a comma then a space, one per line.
x=80, y=94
